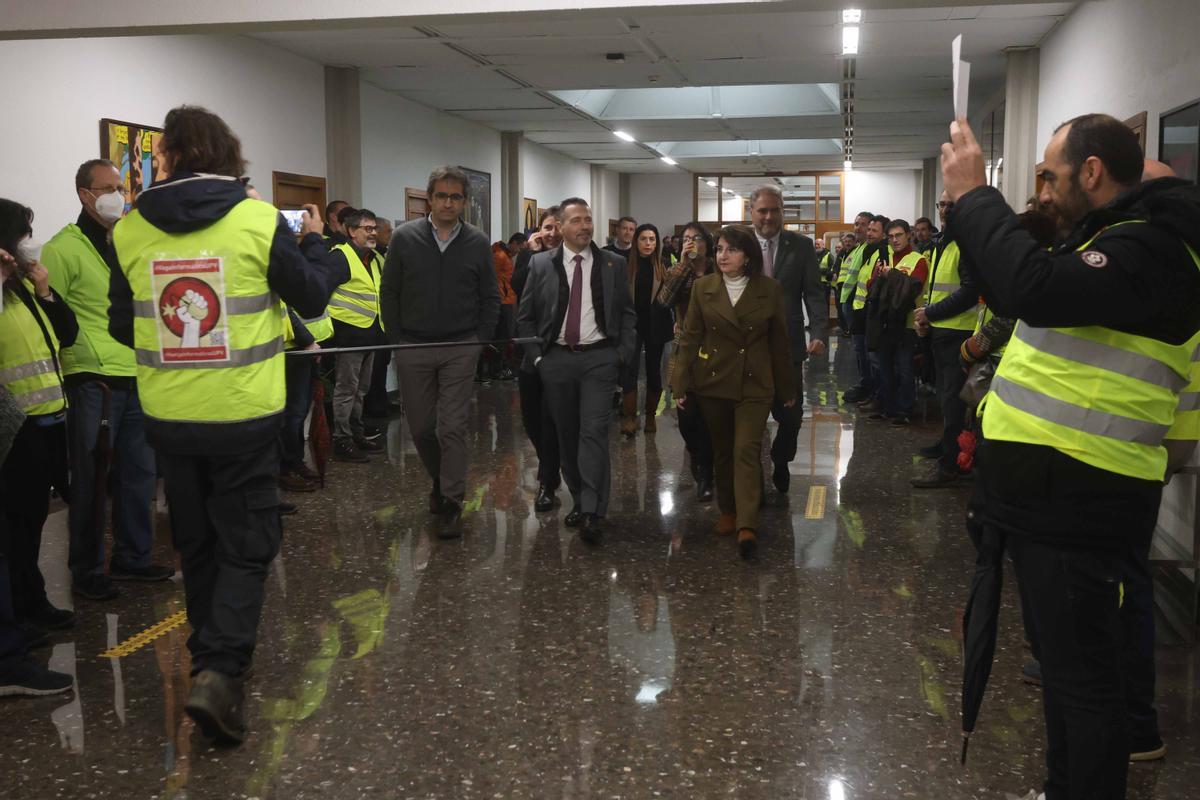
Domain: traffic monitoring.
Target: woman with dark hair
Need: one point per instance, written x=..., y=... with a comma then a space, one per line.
x=735, y=355
x=675, y=294
x=34, y=325
x=654, y=328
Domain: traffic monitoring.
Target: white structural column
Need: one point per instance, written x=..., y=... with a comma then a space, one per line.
x=343, y=135
x=1021, y=125
x=511, y=188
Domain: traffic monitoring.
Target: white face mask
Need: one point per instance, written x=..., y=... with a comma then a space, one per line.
x=111, y=206
x=28, y=251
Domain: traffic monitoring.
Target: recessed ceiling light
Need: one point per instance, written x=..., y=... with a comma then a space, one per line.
x=850, y=40
x=623, y=135
x=668, y=160
x=852, y=16
x=847, y=165
x=717, y=114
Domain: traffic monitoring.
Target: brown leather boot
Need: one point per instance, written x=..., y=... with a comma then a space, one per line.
x=747, y=542
x=629, y=421
x=652, y=399
x=726, y=524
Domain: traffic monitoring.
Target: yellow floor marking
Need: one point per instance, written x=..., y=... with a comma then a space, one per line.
x=816, y=503
x=140, y=640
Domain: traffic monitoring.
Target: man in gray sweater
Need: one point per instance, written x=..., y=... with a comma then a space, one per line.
x=439, y=285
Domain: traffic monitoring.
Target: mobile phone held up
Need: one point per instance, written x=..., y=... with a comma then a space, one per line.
x=295, y=219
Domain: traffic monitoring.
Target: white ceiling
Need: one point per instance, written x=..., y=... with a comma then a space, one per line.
x=525, y=76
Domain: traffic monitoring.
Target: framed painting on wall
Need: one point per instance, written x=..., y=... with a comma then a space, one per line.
x=1179, y=140
x=134, y=149
x=478, y=210
x=529, y=214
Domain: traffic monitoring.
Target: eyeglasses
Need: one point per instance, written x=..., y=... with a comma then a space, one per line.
x=442, y=197
x=101, y=190
x=367, y=228
x=693, y=238
x=944, y=204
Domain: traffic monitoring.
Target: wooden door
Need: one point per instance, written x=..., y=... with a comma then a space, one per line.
x=290, y=190
x=416, y=204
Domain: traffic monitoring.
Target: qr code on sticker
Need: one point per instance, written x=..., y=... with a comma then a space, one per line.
x=217, y=338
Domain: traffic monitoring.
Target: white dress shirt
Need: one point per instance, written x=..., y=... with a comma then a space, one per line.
x=589, y=333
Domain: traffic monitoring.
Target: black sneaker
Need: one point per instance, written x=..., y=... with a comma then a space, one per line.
x=216, y=705
x=371, y=433
x=370, y=445
x=151, y=573
x=286, y=509
x=34, y=635
x=1031, y=673
x=591, y=530
x=901, y=422
x=53, y=619
x=855, y=395
x=450, y=526
x=347, y=451
x=24, y=677
x=782, y=478
x=1148, y=749
x=878, y=415
x=95, y=587
x=936, y=478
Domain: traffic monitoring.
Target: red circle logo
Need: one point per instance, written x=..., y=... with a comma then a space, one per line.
x=192, y=297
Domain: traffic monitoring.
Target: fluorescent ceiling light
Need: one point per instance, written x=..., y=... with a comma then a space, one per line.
x=712, y=183
x=847, y=165
x=668, y=160
x=850, y=40
x=716, y=114
x=852, y=16
x=623, y=135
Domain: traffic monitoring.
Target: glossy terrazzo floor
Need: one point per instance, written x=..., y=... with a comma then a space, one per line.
x=517, y=663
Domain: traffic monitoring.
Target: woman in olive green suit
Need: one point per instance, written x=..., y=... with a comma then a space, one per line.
x=735, y=356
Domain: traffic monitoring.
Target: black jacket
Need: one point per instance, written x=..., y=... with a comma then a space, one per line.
x=891, y=299
x=186, y=203
x=1138, y=279
x=431, y=296
x=795, y=267
x=964, y=298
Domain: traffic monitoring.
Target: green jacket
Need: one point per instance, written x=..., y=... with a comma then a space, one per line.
x=80, y=275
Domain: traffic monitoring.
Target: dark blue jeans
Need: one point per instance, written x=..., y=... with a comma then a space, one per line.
x=299, y=374
x=130, y=478
x=897, y=385
x=859, y=337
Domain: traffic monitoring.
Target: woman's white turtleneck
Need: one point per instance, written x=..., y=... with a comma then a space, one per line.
x=735, y=287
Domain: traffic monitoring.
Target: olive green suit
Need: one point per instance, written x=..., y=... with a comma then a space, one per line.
x=738, y=361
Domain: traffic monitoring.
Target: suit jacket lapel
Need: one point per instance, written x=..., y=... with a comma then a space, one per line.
x=754, y=297
x=719, y=300
x=782, y=255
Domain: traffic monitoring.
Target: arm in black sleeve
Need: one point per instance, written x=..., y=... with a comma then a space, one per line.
x=521, y=272
x=390, y=290
x=1129, y=291
x=304, y=284
x=120, y=308
x=816, y=300
x=489, y=292
x=62, y=318
x=964, y=298
x=300, y=333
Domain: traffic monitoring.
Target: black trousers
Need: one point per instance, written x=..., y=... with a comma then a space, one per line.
x=950, y=378
x=695, y=436
x=38, y=454
x=783, y=449
x=299, y=374
x=539, y=427
x=225, y=525
x=375, y=401
x=12, y=641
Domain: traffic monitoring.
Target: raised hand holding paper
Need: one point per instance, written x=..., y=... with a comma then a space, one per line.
x=961, y=72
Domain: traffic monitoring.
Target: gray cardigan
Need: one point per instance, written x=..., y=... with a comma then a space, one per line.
x=430, y=296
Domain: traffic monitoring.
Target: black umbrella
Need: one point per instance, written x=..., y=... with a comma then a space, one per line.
x=980, y=620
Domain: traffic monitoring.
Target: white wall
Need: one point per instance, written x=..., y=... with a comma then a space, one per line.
x=548, y=177
x=60, y=89
x=893, y=193
x=1119, y=57
x=609, y=206
x=403, y=141
x=663, y=199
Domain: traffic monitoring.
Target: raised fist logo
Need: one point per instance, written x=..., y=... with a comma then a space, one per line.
x=190, y=309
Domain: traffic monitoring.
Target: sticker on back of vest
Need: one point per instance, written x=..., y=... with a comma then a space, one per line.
x=190, y=300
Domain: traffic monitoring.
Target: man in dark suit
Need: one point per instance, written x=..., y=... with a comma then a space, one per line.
x=576, y=301
x=790, y=259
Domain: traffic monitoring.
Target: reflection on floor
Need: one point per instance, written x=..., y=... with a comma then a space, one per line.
x=517, y=663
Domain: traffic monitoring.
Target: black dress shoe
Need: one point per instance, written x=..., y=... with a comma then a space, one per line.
x=704, y=490
x=34, y=635
x=546, y=500
x=451, y=519
x=592, y=529
x=435, y=497
x=932, y=451
x=782, y=478
x=53, y=619
x=216, y=705
x=574, y=519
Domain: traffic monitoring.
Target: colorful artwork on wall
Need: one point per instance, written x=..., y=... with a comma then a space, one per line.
x=134, y=149
x=478, y=210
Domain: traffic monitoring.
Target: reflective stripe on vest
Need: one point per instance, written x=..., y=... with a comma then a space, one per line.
x=944, y=281
x=320, y=327
x=907, y=265
x=1187, y=413
x=848, y=274
x=861, y=290
x=356, y=302
x=1103, y=397
x=27, y=366
x=233, y=370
